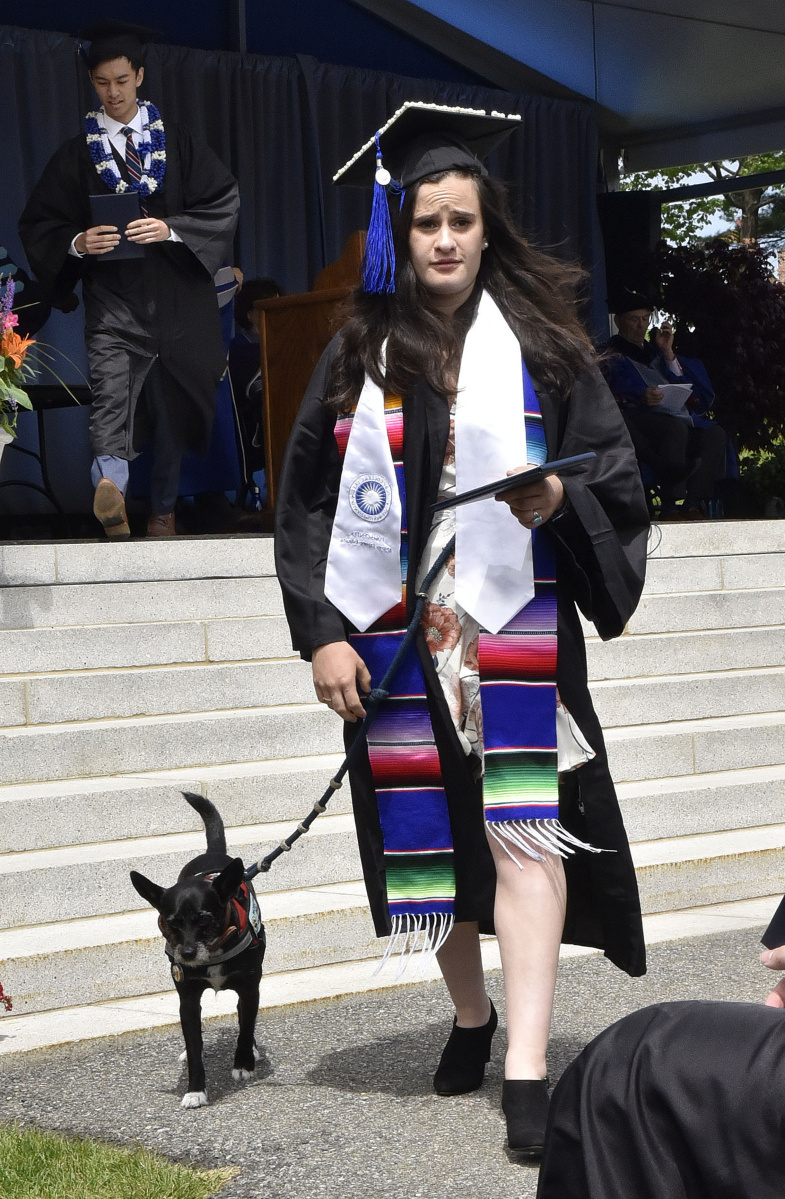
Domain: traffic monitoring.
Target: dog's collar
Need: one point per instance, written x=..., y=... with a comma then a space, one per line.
x=243, y=920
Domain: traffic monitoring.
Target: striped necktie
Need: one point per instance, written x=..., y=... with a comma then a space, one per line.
x=133, y=163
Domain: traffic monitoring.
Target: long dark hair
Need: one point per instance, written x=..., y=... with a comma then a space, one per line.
x=537, y=294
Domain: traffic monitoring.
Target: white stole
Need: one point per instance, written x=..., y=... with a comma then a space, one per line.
x=494, y=576
x=363, y=576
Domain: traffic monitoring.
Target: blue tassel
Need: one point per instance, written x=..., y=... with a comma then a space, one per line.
x=379, y=256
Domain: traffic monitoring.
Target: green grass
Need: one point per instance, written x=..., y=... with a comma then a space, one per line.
x=45, y=1165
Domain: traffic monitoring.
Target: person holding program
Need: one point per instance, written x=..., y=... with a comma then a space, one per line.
x=685, y=449
x=152, y=325
x=484, y=801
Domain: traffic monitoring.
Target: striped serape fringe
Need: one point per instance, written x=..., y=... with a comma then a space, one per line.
x=415, y=822
x=518, y=695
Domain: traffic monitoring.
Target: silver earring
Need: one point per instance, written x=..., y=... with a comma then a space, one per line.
x=485, y=245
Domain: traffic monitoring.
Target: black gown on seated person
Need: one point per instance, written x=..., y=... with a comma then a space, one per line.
x=677, y=1101
x=601, y=559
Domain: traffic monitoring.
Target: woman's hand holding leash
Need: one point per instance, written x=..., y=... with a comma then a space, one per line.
x=338, y=670
x=534, y=503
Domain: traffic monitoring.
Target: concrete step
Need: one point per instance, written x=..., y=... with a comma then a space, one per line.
x=136, y=561
x=121, y=955
x=209, y=687
x=727, y=572
x=152, y=691
x=42, y=886
x=754, y=570
x=131, y=603
x=237, y=556
x=651, y=654
x=111, y=957
x=696, y=746
x=157, y=643
x=716, y=538
x=85, y=811
x=253, y=638
x=708, y=610
x=22, y=1033
x=689, y=696
x=122, y=603
x=684, y=872
x=703, y=803
x=89, y=749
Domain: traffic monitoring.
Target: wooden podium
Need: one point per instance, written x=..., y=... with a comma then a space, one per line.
x=293, y=332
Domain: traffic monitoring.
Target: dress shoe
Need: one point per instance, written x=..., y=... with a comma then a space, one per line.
x=525, y=1106
x=161, y=524
x=109, y=508
x=462, y=1065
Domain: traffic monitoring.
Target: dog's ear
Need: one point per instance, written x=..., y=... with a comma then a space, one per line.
x=147, y=889
x=229, y=879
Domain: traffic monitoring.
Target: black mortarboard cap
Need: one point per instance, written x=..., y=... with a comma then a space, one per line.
x=115, y=39
x=422, y=139
x=628, y=300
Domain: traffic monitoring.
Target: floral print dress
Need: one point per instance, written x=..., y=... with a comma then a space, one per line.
x=452, y=636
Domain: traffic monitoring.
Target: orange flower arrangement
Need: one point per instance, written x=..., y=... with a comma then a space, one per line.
x=15, y=347
x=13, y=372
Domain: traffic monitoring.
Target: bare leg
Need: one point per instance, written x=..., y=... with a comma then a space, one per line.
x=529, y=918
x=461, y=965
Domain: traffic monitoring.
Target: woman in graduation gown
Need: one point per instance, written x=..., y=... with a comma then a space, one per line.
x=466, y=297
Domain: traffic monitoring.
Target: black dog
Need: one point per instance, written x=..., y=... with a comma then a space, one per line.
x=215, y=938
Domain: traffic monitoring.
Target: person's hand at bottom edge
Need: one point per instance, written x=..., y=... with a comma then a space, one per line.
x=774, y=959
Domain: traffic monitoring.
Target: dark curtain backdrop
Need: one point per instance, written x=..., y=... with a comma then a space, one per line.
x=283, y=126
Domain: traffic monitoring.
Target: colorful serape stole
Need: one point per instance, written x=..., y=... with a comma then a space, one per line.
x=415, y=822
x=518, y=695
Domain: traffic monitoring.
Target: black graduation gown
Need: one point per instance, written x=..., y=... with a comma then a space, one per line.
x=676, y=1101
x=163, y=304
x=601, y=556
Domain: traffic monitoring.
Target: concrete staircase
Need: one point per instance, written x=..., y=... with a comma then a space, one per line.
x=131, y=672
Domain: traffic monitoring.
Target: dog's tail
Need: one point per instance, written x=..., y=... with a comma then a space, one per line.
x=213, y=824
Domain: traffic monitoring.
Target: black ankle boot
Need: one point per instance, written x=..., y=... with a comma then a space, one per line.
x=525, y=1106
x=462, y=1065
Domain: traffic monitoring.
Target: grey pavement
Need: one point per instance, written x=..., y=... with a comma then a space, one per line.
x=342, y=1106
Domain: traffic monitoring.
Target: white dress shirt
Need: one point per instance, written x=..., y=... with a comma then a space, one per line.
x=117, y=139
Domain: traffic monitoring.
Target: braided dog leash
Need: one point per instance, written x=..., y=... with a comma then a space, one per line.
x=374, y=701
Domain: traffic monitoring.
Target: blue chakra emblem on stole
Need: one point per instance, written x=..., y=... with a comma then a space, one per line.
x=370, y=497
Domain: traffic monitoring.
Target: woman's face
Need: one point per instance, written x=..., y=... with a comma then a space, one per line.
x=446, y=239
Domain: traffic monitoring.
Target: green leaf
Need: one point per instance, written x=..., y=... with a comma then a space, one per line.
x=9, y=391
x=21, y=397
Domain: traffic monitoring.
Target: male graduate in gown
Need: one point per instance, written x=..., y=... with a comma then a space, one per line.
x=150, y=320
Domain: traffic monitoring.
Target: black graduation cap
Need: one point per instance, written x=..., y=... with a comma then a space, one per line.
x=116, y=39
x=419, y=139
x=627, y=300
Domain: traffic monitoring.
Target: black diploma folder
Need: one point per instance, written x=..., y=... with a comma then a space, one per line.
x=117, y=209
x=562, y=466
